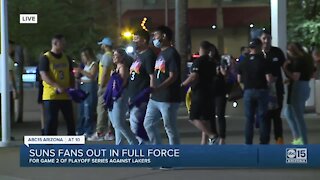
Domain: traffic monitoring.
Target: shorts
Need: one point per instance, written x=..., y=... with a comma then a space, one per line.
x=202, y=108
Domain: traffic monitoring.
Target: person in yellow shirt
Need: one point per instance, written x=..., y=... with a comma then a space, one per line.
x=105, y=67
x=56, y=72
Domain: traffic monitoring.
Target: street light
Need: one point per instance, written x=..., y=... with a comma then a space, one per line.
x=129, y=49
x=213, y=26
x=251, y=25
x=127, y=34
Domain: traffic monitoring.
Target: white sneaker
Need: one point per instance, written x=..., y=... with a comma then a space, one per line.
x=212, y=141
x=109, y=136
x=95, y=137
x=85, y=135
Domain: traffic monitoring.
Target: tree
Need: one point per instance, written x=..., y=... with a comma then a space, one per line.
x=304, y=22
x=82, y=22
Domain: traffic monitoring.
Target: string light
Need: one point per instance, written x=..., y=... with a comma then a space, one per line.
x=143, y=24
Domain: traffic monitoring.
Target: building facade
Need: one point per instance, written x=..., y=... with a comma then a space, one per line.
x=238, y=15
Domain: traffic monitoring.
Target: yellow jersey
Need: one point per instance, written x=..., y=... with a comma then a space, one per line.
x=105, y=62
x=59, y=72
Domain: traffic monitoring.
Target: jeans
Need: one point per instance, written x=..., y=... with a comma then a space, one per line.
x=294, y=111
x=258, y=98
x=169, y=112
x=137, y=115
x=221, y=102
x=118, y=118
x=86, y=109
x=51, y=109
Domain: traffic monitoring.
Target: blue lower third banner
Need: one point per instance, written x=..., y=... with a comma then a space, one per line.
x=228, y=156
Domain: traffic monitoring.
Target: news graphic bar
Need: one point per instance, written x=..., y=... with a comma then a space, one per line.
x=136, y=156
x=53, y=140
x=66, y=152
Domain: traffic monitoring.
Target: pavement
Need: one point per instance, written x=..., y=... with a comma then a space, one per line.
x=10, y=158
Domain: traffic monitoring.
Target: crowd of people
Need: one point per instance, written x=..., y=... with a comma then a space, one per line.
x=147, y=88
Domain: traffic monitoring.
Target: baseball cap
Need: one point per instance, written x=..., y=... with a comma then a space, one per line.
x=255, y=43
x=106, y=41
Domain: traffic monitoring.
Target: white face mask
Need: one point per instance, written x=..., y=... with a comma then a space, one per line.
x=156, y=43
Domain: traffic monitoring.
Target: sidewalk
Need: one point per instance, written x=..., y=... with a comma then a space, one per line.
x=188, y=133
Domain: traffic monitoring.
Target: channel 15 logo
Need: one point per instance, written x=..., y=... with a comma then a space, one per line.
x=296, y=155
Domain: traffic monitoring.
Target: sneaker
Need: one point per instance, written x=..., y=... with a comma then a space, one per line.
x=86, y=135
x=109, y=136
x=297, y=141
x=212, y=141
x=96, y=137
x=279, y=140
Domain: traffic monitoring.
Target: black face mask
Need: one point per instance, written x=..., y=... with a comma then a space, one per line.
x=135, y=46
